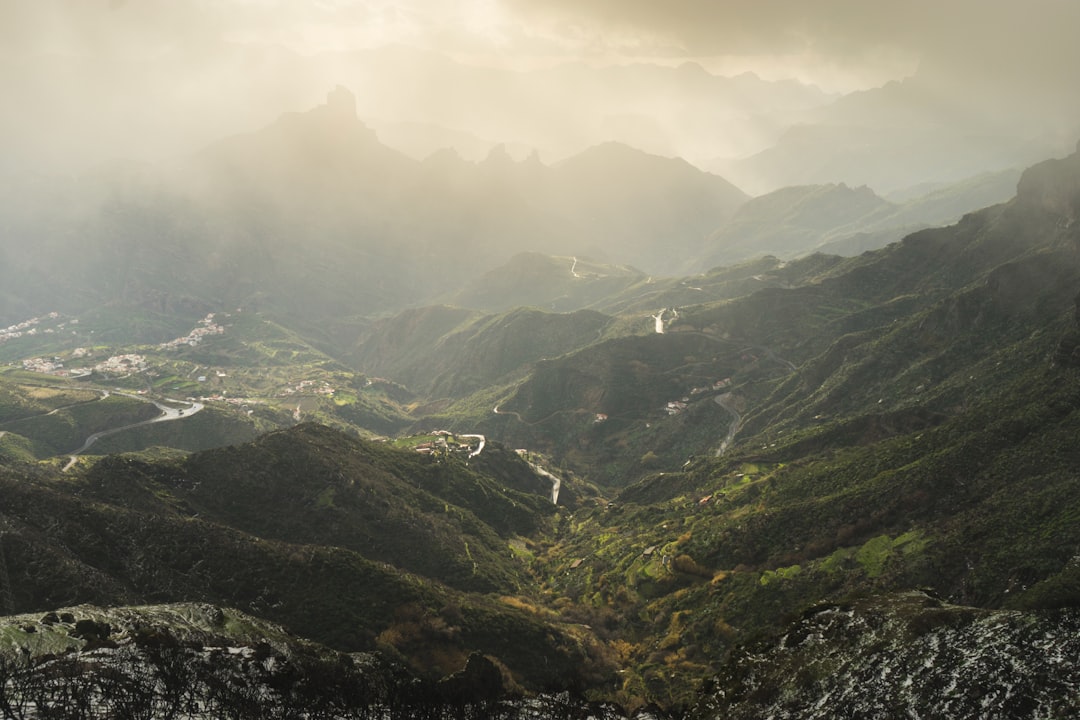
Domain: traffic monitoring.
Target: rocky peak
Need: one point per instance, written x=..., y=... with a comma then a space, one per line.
x=498, y=158
x=1054, y=186
x=341, y=103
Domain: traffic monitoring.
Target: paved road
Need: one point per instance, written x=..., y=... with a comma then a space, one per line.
x=478, y=450
x=497, y=411
x=167, y=413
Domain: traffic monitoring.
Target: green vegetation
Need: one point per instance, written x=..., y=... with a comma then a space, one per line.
x=820, y=431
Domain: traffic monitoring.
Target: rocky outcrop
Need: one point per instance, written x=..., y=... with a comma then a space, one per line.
x=905, y=655
x=1054, y=185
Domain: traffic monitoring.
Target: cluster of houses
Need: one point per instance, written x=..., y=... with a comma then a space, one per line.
x=206, y=326
x=47, y=366
x=26, y=327
x=306, y=387
x=122, y=364
x=674, y=407
x=677, y=406
x=55, y=365
x=445, y=442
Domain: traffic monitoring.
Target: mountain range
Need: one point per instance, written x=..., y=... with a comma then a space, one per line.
x=743, y=491
x=312, y=216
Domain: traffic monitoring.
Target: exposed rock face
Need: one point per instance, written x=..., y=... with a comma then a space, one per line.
x=1055, y=186
x=906, y=655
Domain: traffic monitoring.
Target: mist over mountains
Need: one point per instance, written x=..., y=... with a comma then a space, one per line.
x=538, y=360
x=666, y=487
x=314, y=215
x=316, y=193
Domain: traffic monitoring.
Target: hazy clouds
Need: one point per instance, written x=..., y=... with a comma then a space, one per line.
x=86, y=79
x=1037, y=34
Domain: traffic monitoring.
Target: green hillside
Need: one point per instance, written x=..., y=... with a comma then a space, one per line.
x=743, y=457
x=444, y=352
x=304, y=541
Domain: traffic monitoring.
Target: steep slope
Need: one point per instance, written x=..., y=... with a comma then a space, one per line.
x=604, y=190
x=917, y=130
x=920, y=436
x=316, y=486
x=442, y=352
x=286, y=528
x=561, y=284
x=792, y=221
x=795, y=221
x=392, y=344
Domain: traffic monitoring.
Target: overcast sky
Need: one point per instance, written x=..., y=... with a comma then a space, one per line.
x=90, y=56
x=839, y=43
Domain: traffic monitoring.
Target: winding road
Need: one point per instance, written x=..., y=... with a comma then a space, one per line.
x=775, y=358
x=167, y=413
x=573, y=269
x=512, y=413
x=478, y=450
x=726, y=400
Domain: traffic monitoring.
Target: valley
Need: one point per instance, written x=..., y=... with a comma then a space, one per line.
x=640, y=517
x=405, y=360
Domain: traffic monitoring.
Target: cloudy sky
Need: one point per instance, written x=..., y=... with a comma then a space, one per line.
x=841, y=44
x=118, y=66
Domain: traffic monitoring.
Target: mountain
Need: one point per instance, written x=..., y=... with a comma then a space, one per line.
x=670, y=111
x=560, y=284
x=906, y=132
x=296, y=527
x=903, y=422
x=836, y=219
x=923, y=207
x=753, y=469
x=313, y=219
x=437, y=353
x=792, y=221
x=597, y=188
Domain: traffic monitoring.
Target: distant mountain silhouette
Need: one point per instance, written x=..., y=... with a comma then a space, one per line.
x=901, y=134
x=834, y=218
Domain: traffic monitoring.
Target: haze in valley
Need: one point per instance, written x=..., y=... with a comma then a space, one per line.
x=539, y=358
x=361, y=157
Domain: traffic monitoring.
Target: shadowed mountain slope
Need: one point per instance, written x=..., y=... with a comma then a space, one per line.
x=295, y=528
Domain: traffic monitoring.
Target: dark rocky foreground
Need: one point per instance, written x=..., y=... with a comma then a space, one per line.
x=200, y=661
x=906, y=655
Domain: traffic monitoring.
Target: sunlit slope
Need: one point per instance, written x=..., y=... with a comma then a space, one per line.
x=441, y=352
x=872, y=334
x=924, y=437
